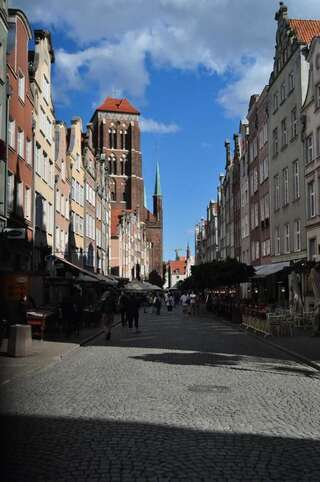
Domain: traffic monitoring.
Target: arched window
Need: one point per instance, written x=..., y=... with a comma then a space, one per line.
x=113, y=192
x=110, y=139
x=123, y=163
x=114, y=139
x=110, y=165
x=114, y=162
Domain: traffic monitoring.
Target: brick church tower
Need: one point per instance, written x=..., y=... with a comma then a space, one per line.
x=117, y=136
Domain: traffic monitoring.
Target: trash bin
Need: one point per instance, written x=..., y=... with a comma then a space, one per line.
x=20, y=341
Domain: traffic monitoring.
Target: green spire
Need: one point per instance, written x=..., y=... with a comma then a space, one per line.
x=157, y=186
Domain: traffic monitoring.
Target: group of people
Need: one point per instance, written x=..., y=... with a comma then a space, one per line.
x=128, y=305
x=191, y=303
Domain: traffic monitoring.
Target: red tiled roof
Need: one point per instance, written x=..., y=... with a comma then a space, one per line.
x=178, y=265
x=118, y=105
x=305, y=30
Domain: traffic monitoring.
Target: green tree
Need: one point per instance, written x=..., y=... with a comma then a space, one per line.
x=155, y=278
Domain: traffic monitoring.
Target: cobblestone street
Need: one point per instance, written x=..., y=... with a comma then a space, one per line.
x=186, y=399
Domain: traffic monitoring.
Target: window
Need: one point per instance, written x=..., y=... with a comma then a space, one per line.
x=256, y=215
x=63, y=170
x=312, y=248
x=62, y=205
x=318, y=96
x=67, y=208
x=257, y=249
x=309, y=148
x=20, y=197
x=50, y=219
x=262, y=209
x=27, y=203
x=297, y=235
x=58, y=204
x=267, y=206
x=10, y=191
x=275, y=102
x=318, y=141
x=296, y=180
x=255, y=179
x=20, y=143
x=21, y=86
x=29, y=151
x=285, y=174
x=291, y=81
x=294, y=127
x=12, y=134
x=283, y=92
x=46, y=88
x=51, y=174
x=311, y=200
x=277, y=240
x=266, y=168
x=286, y=238
x=284, y=133
x=276, y=192
x=275, y=141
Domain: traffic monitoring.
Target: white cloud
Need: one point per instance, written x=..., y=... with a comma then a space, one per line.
x=154, y=127
x=115, y=37
x=235, y=97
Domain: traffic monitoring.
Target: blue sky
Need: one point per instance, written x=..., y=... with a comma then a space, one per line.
x=189, y=66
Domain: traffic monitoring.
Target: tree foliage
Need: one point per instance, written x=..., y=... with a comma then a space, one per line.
x=155, y=279
x=217, y=274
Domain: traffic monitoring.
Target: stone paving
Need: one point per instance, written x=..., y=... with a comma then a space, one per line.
x=187, y=399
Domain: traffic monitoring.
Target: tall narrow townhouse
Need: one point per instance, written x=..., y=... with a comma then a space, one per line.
x=229, y=206
x=212, y=220
x=311, y=139
x=92, y=235
x=244, y=193
x=40, y=61
x=16, y=255
x=259, y=179
x=77, y=175
x=3, y=112
x=62, y=193
x=221, y=198
x=103, y=216
x=287, y=90
x=236, y=198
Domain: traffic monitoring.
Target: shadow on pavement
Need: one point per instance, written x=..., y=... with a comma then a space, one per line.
x=214, y=341
x=230, y=361
x=40, y=448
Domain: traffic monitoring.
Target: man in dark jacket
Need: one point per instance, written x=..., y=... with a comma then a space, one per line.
x=123, y=301
x=133, y=306
x=108, y=310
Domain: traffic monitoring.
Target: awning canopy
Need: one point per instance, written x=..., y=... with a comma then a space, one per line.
x=268, y=269
x=83, y=274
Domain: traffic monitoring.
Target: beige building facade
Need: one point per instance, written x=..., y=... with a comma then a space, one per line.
x=44, y=152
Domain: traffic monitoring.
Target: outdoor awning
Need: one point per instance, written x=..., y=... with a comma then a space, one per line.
x=268, y=269
x=83, y=274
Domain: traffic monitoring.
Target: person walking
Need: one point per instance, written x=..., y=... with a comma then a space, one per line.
x=123, y=301
x=108, y=311
x=133, y=306
x=184, y=303
x=158, y=304
x=193, y=299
